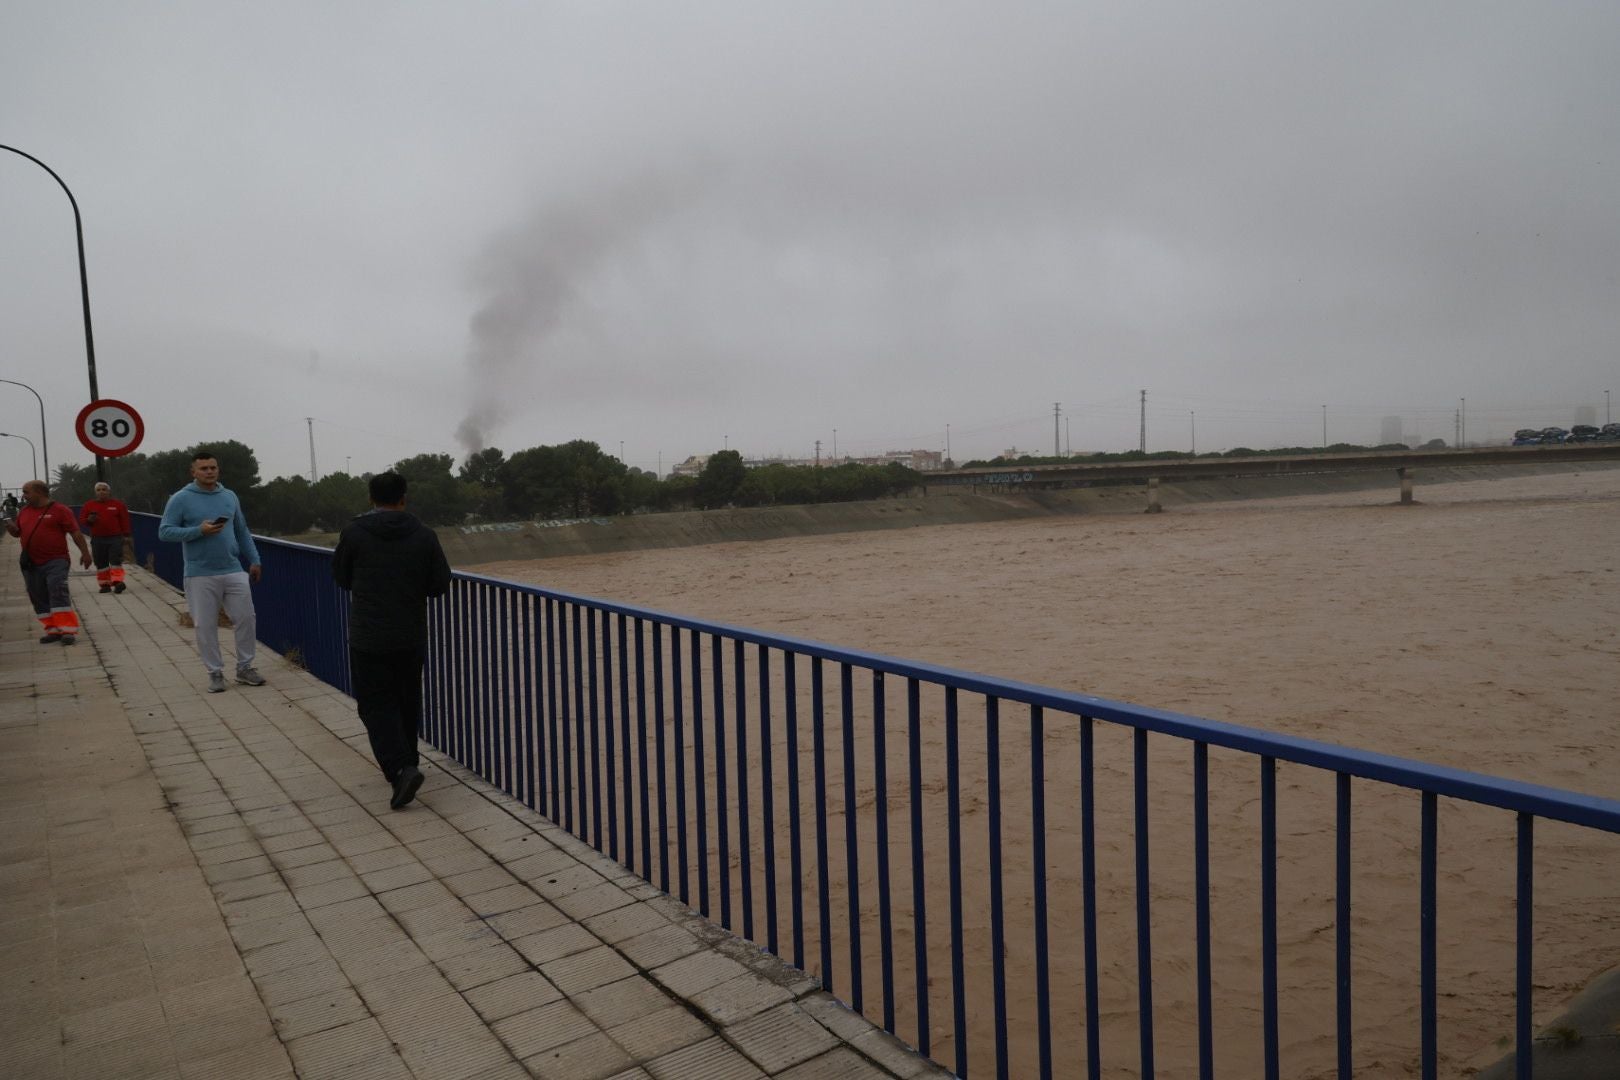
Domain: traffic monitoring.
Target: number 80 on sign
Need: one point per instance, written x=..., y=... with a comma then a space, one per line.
x=109, y=428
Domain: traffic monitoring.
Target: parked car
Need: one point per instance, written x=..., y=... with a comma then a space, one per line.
x=1609, y=431
x=1527, y=436
x=1582, y=433
x=1553, y=435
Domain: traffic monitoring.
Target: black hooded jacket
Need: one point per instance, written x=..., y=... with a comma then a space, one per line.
x=390, y=563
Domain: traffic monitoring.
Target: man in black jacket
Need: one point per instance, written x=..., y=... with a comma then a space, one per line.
x=390, y=563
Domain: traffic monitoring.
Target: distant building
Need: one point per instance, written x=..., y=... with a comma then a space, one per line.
x=692, y=466
x=1389, y=430
x=920, y=460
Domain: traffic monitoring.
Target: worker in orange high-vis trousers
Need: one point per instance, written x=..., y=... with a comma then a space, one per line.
x=44, y=527
x=107, y=519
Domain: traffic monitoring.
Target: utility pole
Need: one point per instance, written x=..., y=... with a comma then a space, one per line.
x=1057, y=447
x=1456, y=428
x=818, y=453
x=348, y=461
x=1194, y=415
x=1324, y=429
x=948, y=441
x=621, y=449
x=835, y=444
x=310, y=420
x=1142, y=445
x=1462, y=424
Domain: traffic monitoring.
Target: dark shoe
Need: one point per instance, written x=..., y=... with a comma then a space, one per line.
x=249, y=676
x=69, y=639
x=406, y=786
x=49, y=639
x=118, y=586
x=106, y=588
x=216, y=682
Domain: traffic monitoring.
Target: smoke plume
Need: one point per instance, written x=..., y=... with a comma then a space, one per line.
x=534, y=276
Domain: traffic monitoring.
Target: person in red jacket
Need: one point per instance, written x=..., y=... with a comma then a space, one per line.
x=107, y=519
x=44, y=526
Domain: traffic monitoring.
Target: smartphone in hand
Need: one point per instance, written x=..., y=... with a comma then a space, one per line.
x=219, y=521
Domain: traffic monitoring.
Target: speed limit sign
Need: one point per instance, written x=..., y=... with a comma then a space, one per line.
x=109, y=428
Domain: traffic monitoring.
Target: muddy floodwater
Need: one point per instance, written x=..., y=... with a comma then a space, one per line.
x=1479, y=629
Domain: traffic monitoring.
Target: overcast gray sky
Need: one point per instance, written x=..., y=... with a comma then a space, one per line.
x=682, y=225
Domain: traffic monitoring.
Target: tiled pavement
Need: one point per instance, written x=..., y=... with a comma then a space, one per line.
x=213, y=886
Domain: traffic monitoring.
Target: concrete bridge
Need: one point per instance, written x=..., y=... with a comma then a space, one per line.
x=1403, y=463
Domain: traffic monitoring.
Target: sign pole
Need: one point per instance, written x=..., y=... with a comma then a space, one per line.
x=84, y=288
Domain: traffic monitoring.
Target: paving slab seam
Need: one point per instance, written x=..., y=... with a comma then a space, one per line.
x=801, y=985
x=128, y=970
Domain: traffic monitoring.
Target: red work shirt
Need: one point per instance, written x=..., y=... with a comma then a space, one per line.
x=112, y=517
x=46, y=531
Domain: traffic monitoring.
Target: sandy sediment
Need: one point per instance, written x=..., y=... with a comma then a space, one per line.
x=1480, y=629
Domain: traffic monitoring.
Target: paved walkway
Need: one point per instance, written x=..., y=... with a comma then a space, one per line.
x=196, y=885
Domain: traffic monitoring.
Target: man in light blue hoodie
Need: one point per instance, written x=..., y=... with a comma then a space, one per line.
x=206, y=518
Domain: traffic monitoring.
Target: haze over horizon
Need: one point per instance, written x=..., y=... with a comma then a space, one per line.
x=682, y=227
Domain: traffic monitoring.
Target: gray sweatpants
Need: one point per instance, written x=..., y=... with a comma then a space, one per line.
x=205, y=596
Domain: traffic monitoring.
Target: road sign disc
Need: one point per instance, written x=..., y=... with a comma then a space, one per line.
x=109, y=428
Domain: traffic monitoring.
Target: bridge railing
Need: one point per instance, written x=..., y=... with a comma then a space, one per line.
x=903, y=831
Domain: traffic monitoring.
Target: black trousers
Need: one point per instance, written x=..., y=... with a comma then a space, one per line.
x=107, y=551
x=388, y=691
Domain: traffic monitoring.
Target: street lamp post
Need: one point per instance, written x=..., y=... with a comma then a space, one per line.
x=33, y=456
x=84, y=290
x=44, y=443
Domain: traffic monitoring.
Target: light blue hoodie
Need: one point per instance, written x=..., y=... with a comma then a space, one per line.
x=208, y=556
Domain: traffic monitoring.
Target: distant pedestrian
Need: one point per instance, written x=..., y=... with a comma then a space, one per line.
x=108, y=521
x=206, y=518
x=44, y=527
x=9, y=507
x=391, y=564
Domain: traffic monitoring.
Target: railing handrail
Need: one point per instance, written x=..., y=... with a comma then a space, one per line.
x=1592, y=811
x=493, y=698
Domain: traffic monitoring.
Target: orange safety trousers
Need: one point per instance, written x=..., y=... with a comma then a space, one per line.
x=61, y=621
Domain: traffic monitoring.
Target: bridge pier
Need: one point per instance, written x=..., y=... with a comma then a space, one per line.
x=1153, y=506
x=1406, y=485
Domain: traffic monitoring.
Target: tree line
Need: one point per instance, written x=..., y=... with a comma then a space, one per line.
x=575, y=479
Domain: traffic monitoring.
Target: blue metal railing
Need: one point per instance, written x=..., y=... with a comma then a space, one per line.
x=545, y=694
